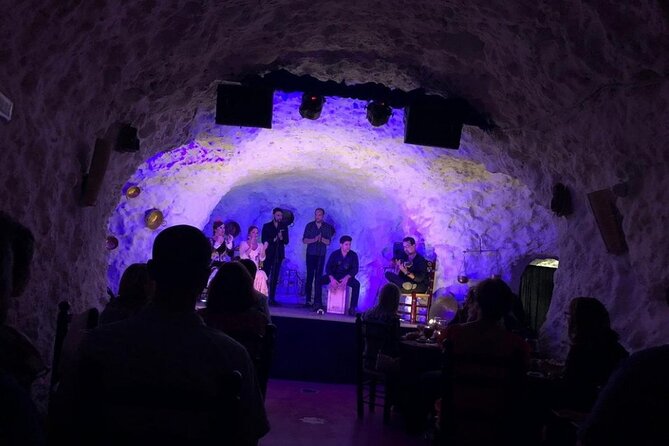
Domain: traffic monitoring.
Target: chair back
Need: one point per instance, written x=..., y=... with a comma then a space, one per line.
x=481, y=397
x=374, y=337
x=260, y=349
x=69, y=331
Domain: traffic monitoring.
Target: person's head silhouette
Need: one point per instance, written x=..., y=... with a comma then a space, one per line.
x=180, y=266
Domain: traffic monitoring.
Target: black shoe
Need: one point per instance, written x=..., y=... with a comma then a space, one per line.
x=352, y=311
x=308, y=305
x=316, y=308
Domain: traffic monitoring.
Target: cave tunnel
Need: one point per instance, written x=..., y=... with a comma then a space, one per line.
x=578, y=92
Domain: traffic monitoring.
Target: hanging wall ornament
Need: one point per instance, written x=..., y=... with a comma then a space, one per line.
x=111, y=243
x=133, y=192
x=153, y=218
x=462, y=275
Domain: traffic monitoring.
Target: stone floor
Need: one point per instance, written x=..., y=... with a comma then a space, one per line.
x=308, y=414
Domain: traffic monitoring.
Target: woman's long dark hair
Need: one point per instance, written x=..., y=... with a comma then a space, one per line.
x=589, y=322
x=231, y=290
x=389, y=301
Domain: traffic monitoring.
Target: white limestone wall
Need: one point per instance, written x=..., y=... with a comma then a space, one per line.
x=374, y=187
x=578, y=89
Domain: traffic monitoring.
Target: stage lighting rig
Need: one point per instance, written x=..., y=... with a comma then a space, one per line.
x=312, y=105
x=378, y=113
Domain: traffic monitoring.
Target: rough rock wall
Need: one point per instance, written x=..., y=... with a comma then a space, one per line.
x=374, y=187
x=74, y=68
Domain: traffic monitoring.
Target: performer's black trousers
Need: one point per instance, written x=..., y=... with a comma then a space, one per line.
x=314, y=271
x=352, y=282
x=272, y=267
x=399, y=280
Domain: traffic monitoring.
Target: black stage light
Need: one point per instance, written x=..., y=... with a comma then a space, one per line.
x=378, y=113
x=312, y=105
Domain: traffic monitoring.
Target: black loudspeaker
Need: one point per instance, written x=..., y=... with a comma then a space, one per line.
x=609, y=220
x=93, y=180
x=561, y=201
x=127, y=140
x=433, y=121
x=244, y=106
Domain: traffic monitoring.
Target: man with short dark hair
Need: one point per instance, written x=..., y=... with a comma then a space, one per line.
x=340, y=270
x=411, y=274
x=162, y=372
x=317, y=237
x=275, y=237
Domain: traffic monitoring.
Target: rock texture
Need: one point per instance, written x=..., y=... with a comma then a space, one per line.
x=579, y=90
x=374, y=188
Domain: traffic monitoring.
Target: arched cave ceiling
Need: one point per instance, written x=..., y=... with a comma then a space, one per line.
x=578, y=90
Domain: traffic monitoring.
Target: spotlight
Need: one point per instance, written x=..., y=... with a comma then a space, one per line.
x=312, y=105
x=378, y=113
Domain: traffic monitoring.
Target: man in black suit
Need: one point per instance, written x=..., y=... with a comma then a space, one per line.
x=275, y=238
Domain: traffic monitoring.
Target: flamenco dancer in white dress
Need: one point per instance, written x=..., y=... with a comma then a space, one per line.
x=252, y=249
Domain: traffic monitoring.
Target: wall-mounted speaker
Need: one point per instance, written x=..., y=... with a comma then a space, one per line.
x=609, y=220
x=96, y=174
x=127, y=140
x=433, y=121
x=244, y=106
x=561, y=200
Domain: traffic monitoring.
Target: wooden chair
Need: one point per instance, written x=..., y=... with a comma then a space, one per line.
x=261, y=349
x=412, y=304
x=481, y=399
x=373, y=338
x=69, y=330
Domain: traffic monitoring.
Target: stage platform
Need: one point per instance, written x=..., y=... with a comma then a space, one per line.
x=313, y=347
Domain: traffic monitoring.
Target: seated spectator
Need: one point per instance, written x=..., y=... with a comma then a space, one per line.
x=20, y=362
x=385, y=309
x=594, y=354
x=385, y=312
x=232, y=305
x=633, y=407
x=155, y=376
x=463, y=314
x=489, y=367
x=262, y=300
x=134, y=293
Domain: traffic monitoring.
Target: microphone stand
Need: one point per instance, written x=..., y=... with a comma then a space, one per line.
x=319, y=265
x=274, y=264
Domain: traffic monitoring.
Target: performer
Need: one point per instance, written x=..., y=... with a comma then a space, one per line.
x=252, y=249
x=411, y=271
x=317, y=237
x=275, y=239
x=340, y=270
x=221, y=245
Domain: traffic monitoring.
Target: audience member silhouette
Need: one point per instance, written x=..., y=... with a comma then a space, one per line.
x=489, y=369
x=262, y=300
x=384, y=312
x=20, y=362
x=134, y=293
x=232, y=304
x=164, y=364
x=633, y=407
x=385, y=309
x=593, y=355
